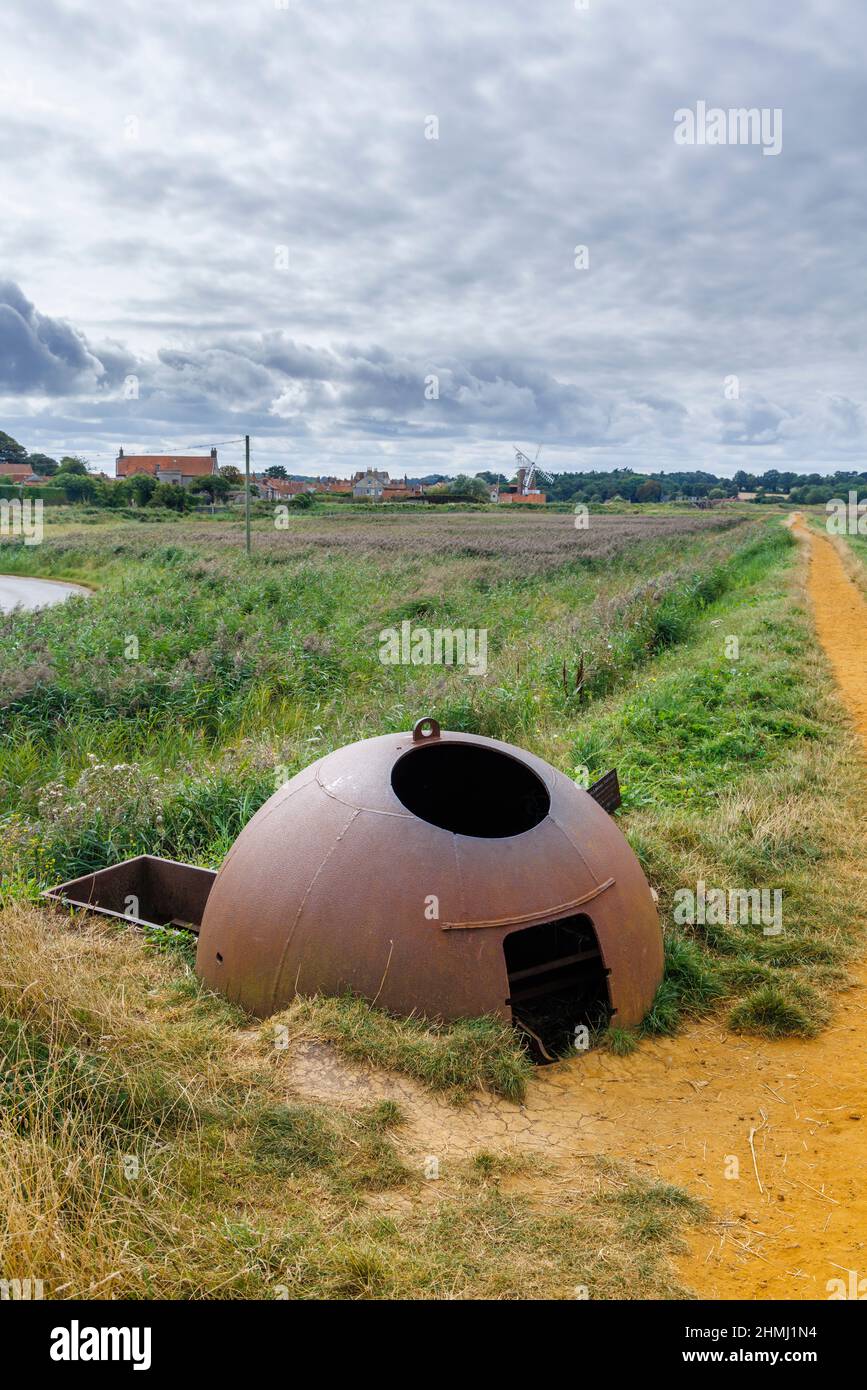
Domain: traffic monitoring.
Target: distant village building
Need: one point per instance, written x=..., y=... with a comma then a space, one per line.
x=19, y=473
x=371, y=483
x=167, y=468
x=378, y=487
x=273, y=489
x=511, y=494
x=283, y=489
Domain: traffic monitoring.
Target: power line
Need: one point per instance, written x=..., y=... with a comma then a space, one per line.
x=217, y=444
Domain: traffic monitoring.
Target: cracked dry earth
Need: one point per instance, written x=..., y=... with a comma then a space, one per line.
x=793, y=1113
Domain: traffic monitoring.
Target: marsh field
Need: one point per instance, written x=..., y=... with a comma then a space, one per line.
x=155, y=1143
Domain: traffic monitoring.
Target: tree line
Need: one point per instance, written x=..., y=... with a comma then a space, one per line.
x=70, y=474
x=604, y=485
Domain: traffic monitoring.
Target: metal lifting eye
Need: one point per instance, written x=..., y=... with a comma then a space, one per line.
x=424, y=729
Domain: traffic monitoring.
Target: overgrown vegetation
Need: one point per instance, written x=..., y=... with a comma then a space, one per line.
x=741, y=773
x=240, y=680
x=149, y=1151
x=470, y=1055
x=606, y=648
x=158, y=714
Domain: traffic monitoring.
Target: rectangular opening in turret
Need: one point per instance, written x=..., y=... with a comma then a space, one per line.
x=558, y=983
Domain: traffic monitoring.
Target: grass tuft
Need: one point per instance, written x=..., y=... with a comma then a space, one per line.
x=457, y=1059
x=775, y=1012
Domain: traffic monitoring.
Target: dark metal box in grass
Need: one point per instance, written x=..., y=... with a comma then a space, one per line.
x=146, y=891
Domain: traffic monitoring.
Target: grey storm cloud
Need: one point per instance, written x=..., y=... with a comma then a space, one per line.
x=289, y=222
x=38, y=353
x=44, y=355
x=751, y=422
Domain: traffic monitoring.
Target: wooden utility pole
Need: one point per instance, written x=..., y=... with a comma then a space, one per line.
x=247, y=492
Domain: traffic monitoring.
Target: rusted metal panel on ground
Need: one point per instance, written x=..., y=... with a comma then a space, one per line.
x=146, y=891
x=607, y=791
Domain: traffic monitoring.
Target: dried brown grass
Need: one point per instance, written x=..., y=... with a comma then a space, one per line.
x=111, y=1053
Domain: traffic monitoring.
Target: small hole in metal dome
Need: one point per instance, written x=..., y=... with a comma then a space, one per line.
x=470, y=790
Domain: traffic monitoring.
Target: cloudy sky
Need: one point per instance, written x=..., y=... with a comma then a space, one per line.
x=239, y=212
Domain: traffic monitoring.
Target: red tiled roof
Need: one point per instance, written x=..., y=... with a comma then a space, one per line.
x=189, y=465
x=289, y=487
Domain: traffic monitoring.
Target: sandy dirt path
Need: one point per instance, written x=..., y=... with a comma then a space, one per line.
x=772, y=1135
x=840, y=615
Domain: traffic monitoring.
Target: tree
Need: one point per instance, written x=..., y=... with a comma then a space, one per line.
x=214, y=485
x=170, y=495
x=42, y=464
x=111, y=492
x=649, y=491
x=234, y=474
x=276, y=471
x=142, y=487
x=78, y=487
x=10, y=450
x=464, y=486
x=71, y=464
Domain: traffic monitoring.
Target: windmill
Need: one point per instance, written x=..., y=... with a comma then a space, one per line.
x=528, y=470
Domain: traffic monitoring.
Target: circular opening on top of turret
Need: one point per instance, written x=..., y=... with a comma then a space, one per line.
x=470, y=790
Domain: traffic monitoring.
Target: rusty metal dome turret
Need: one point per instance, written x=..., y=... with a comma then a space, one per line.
x=438, y=873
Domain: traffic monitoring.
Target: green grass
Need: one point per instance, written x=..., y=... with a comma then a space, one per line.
x=774, y=1011
x=742, y=774
x=458, y=1059
x=352, y=1149
x=240, y=673
x=616, y=659
x=739, y=772
x=150, y=1148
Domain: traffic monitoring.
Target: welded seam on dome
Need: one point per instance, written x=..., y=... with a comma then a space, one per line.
x=354, y=806
x=308, y=890
x=460, y=876
x=573, y=843
x=279, y=804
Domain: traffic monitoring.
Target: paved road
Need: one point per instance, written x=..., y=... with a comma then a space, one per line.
x=16, y=592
